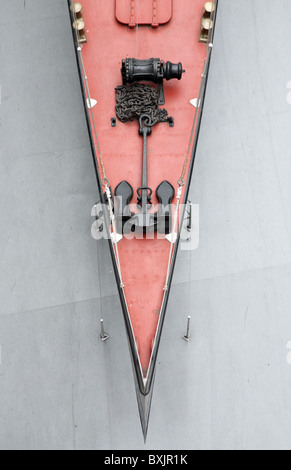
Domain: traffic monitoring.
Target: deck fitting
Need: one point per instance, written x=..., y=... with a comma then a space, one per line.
x=79, y=23
x=104, y=336
x=207, y=22
x=186, y=337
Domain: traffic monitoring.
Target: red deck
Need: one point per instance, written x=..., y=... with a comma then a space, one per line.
x=143, y=262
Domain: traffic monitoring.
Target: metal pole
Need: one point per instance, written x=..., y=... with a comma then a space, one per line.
x=104, y=336
x=186, y=337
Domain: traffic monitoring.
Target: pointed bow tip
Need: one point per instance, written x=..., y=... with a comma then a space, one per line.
x=145, y=435
x=144, y=411
x=144, y=404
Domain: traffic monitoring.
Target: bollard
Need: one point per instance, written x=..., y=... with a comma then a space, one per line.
x=207, y=22
x=79, y=23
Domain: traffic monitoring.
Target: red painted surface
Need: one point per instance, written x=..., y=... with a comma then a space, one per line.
x=143, y=262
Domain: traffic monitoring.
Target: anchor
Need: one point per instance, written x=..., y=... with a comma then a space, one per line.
x=144, y=221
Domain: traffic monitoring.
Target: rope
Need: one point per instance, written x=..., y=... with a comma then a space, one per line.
x=105, y=181
x=79, y=50
x=181, y=181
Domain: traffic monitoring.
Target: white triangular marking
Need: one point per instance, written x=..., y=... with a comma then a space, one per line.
x=194, y=102
x=172, y=237
x=116, y=237
x=91, y=103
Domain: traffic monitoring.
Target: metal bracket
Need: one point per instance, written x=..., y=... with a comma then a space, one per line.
x=188, y=222
x=104, y=336
x=186, y=337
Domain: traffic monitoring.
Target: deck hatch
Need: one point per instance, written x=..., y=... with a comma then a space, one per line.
x=144, y=12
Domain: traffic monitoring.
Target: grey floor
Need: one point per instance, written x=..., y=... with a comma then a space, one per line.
x=229, y=388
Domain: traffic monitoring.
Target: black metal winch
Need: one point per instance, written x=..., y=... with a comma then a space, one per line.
x=151, y=70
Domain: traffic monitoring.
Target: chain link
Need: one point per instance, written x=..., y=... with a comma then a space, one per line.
x=137, y=100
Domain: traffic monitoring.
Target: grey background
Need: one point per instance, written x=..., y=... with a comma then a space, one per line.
x=60, y=387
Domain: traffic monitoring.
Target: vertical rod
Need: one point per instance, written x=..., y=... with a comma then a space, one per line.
x=189, y=226
x=186, y=337
x=104, y=336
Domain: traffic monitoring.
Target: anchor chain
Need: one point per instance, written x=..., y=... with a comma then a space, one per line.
x=137, y=100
